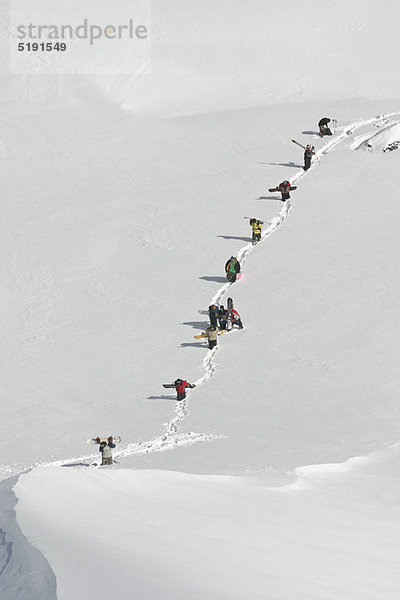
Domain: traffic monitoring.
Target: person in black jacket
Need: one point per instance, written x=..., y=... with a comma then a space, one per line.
x=222, y=317
x=213, y=313
x=308, y=154
x=323, y=127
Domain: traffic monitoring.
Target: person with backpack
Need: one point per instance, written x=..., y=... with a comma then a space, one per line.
x=308, y=154
x=212, y=336
x=323, y=127
x=232, y=268
x=106, y=451
x=180, y=387
x=257, y=227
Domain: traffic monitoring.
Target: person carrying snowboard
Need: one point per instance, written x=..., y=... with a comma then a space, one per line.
x=308, y=154
x=212, y=336
x=323, y=127
x=180, y=387
x=106, y=451
x=257, y=227
x=232, y=268
x=284, y=189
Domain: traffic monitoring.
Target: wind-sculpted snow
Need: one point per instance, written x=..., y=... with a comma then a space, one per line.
x=385, y=140
x=168, y=534
x=24, y=572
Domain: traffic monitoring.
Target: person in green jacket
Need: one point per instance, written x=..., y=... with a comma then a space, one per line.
x=232, y=268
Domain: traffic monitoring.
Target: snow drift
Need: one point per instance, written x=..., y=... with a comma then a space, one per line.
x=385, y=140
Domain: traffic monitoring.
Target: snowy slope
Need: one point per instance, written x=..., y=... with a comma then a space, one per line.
x=118, y=220
x=332, y=536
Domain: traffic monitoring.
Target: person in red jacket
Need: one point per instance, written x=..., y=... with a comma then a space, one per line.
x=284, y=189
x=236, y=320
x=180, y=386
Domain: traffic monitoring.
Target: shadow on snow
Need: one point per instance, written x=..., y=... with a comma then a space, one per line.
x=287, y=164
x=197, y=324
x=233, y=237
x=217, y=279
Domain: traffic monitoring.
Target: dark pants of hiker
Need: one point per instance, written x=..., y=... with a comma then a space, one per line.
x=231, y=277
x=256, y=238
x=307, y=163
x=213, y=318
x=212, y=344
x=180, y=395
x=285, y=196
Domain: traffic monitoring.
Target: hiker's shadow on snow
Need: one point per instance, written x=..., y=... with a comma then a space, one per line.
x=217, y=279
x=77, y=464
x=269, y=198
x=192, y=344
x=197, y=324
x=233, y=237
x=309, y=132
x=161, y=398
x=287, y=164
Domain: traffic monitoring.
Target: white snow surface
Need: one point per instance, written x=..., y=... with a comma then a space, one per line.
x=123, y=197
x=384, y=140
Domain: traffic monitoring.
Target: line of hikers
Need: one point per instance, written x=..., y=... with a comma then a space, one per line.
x=285, y=186
x=309, y=151
x=220, y=319
x=218, y=315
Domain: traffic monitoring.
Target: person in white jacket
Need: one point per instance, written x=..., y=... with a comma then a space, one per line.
x=106, y=452
x=212, y=336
